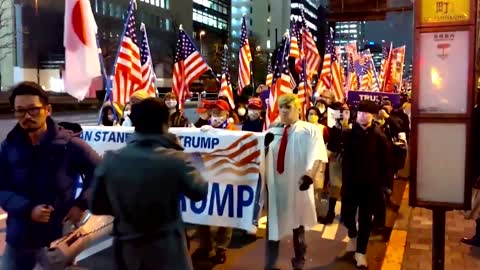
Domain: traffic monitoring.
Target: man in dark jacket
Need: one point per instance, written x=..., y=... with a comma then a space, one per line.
x=144, y=196
x=39, y=167
x=366, y=171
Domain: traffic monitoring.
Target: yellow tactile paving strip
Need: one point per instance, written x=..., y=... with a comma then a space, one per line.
x=396, y=245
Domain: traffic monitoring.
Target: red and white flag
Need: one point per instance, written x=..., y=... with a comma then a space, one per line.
x=82, y=64
x=225, y=85
x=189, y=66
x=244, y=59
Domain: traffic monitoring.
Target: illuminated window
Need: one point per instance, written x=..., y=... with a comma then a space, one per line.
x=167, y=24
x=268, y=44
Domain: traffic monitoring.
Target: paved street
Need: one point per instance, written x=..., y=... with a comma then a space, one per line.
x=324, y=242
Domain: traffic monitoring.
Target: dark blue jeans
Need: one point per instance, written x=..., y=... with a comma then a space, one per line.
x=20, y=259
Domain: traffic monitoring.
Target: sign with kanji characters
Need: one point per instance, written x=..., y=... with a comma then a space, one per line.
x=445, y=11
x=443, y=72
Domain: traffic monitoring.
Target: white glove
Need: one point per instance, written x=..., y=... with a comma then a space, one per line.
x=206, y=128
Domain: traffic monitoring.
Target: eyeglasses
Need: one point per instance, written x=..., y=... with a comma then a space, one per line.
x=34, y=111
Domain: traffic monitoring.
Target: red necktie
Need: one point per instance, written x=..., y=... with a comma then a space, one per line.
x=282, y=150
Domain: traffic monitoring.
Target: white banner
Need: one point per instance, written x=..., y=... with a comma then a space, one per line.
x=231, y=161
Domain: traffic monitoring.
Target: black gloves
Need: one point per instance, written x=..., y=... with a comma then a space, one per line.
x=305, y=182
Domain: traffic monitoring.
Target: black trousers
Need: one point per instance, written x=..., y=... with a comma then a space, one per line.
x=364, y=201
x=380, y=210
x=477, y=228
x=299, y=246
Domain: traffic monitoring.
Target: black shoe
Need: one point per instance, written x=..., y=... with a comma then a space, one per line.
x=220, y=256
x=474, y=241
x=201, y=254
x=298, y=264
x=326, y=220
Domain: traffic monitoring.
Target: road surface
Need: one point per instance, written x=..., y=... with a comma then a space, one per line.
x=324, y=242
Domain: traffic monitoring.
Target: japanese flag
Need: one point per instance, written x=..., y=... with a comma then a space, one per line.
x=82, y=64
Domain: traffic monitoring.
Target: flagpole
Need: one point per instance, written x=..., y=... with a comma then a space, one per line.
x=104, y=73
x=108, y=93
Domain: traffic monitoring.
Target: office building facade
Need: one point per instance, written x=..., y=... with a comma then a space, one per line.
x=211, y=24
x=267, y=21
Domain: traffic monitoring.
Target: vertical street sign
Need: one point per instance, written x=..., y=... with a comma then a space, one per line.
x=442, y=105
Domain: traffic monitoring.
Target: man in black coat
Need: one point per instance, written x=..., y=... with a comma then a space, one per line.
x=143, y=195
x=366, y=172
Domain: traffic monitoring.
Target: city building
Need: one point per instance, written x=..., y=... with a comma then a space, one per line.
x=38, y=54
x=267, y=21
x=376, y=51
x=211, y=24
x=310, y=8
x=350, y=32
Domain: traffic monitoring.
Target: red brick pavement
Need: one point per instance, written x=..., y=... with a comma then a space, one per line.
x=418, y=250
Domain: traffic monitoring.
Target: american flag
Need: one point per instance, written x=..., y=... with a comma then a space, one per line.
x=304, y=89
x=282, y=81
x=383, y=67
x=388, y=72
x=295, y=39
x=397, y=65
x=225, y=85
x=337, y=77
x=148, y=74
x=324, y=81
x=310, y=50
x=245, y=59
x=128, y=68
x=240, y=159
x=189, y=66
x=362, y=64
x=352, y=81
x=268, y=80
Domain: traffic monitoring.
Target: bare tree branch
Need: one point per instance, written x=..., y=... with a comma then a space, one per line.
x=6, y=37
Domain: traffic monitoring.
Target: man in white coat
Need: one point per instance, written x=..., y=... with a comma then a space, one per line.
x=297, y=149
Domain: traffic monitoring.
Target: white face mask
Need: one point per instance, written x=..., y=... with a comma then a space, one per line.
x=242, y=111
x=217, y=120
x=253, y=114
x=171, y=103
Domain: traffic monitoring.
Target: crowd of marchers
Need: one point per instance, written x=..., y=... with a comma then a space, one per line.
x=311, y=163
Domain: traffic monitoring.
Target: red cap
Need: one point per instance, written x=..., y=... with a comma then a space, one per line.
x=222, y=105
x=205, y=106
x=255, y=103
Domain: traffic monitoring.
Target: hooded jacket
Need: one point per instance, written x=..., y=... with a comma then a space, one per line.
x=46, y=173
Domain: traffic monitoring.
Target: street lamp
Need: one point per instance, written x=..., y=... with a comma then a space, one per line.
x=202, y=33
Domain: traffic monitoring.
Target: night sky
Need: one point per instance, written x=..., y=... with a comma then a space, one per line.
x=398, y=28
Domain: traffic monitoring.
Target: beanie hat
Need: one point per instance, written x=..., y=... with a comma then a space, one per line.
x=368, y=106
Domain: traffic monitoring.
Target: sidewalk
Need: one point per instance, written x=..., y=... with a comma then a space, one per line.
x=410, y=246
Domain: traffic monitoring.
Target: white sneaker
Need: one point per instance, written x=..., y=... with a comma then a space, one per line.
x=361, y=260
x=351, y=245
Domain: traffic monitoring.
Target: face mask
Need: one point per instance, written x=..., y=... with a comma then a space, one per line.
x=171, y=103
x=253, y=114
x=363, y=118
x=127, y=113
x=242, y=111
x=313, y=119
x=217, y=120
